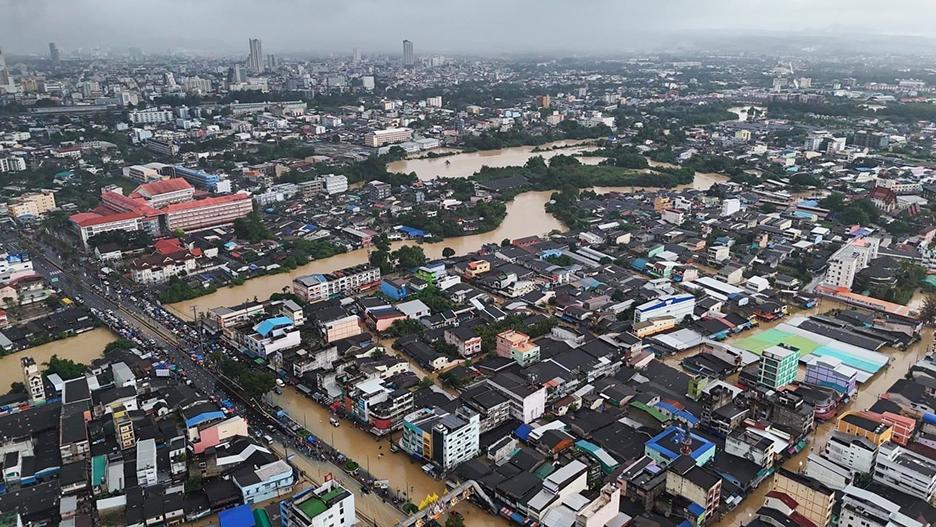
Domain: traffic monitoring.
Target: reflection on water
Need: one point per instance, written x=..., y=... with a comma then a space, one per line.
x=82, y=348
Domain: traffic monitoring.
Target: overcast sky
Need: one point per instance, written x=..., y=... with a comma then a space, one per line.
x=435, y=26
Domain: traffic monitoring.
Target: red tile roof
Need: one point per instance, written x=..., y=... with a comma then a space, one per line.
x=87, y=219
x=164, y=187
x=207, y=202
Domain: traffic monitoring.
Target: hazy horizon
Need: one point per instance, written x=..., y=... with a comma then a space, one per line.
x=481, y=27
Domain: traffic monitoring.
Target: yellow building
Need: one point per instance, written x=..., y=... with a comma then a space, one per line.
x=661, y=203
x=814, y=500
x=478, y=267
x=653, y=325
x=35, y=204
x=853, y=423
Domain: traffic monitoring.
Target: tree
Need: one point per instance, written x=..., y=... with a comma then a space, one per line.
x=426, y=382
x=17, y=387
x=67, y=369
x=454, y=520
x=193, y=484
x=178, y=233
x=256, y=383
x=834, y=202
x=505, y=242
x=448, y=252
x=119, y=344
x=928, y=311
x=409, y=256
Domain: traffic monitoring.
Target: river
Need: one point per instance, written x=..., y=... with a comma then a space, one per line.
x=742, y=111
x=82, y=348
x=526, y=216
x=464, y=165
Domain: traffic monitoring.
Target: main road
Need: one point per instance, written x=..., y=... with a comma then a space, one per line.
x=75, y=281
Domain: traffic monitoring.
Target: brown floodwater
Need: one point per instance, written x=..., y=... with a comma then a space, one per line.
x=82, y=348
x=464, y=165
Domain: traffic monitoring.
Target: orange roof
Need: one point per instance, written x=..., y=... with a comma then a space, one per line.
x=87, y=219
x=164, y=187
x=207, y=202
x=168, y=246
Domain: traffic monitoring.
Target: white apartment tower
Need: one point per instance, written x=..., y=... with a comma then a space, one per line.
x=33, y=381
x=255, y=62
x=408, y=60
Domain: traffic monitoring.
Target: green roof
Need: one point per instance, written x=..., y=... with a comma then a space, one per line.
x=658, y=415
x=98, y=468
x=261, y=518
x=544, y=470
x=316, y=505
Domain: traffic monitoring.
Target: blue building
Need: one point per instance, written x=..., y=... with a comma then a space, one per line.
x=198, y=178
x=669, y=444
x=394, y=289
x=264, y=482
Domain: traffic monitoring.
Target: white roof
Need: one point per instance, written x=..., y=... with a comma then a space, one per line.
x=412, y=307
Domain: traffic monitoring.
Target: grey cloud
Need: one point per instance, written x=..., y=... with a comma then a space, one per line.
x=443, y=26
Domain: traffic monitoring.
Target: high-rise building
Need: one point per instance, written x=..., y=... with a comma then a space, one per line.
x=408, y=60
x=355, y=55
x=271, y=62
x=33, y=380
x=54, y=53
x=777, y=367
x=255, y=61
x=237, y=74
x=5, y=80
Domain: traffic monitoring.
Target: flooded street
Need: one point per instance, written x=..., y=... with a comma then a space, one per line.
x=82, y=348
x=464, y=165
x=371, y=454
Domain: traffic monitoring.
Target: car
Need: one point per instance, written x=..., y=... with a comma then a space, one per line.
x=280, y=383
x=334, y=422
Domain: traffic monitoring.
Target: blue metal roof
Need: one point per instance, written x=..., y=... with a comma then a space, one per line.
x=523, y=432
x=240, y=516
x=264, y=328
x=695, y=508
x=207, y=416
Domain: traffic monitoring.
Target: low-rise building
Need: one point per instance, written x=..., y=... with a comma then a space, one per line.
x=905, y=470
x=443, y=438
x=814, y=500
x=328, y=505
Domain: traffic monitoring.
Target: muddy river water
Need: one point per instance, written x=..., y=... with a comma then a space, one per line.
x=82, y=348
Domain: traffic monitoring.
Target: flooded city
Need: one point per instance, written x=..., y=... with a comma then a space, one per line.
x=82, y=348
x=526, y=216
x=464, y=165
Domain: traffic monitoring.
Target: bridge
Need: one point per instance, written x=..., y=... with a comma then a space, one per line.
x=435, y=509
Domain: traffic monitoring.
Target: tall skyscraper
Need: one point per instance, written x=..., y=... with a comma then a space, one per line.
x=4, y=72
x=355, y=56
x=237, y=74
x=255, y=62
x=408, y=59
x=54, y=53
x=271, y=62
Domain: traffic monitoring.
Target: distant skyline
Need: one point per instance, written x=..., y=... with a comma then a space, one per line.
x=480, y=27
